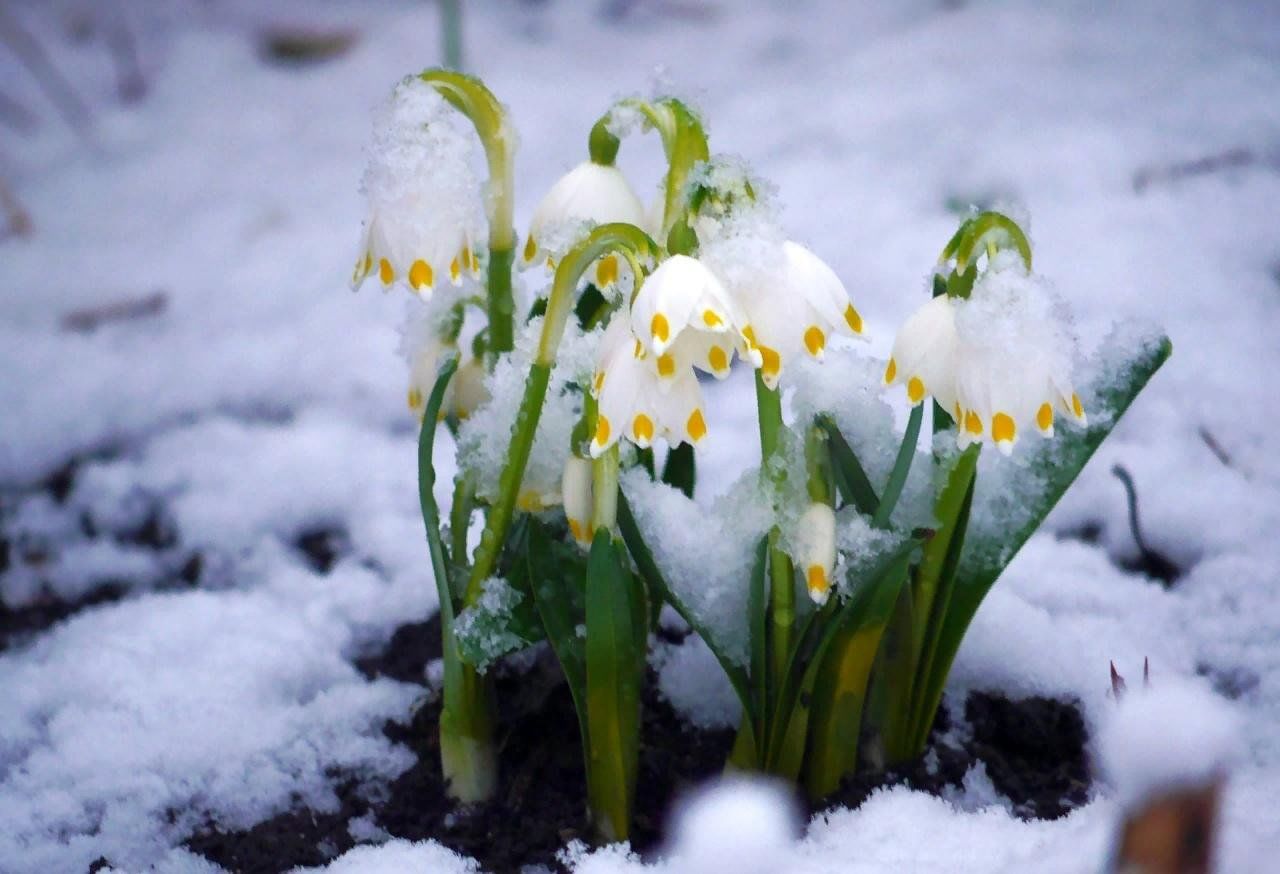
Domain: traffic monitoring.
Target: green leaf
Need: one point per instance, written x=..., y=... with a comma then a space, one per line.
x=431, y=514
x=935, y=583
x=757, y=610
x=680, y=469
x=869, y=606
x=615, y=657
x=648, y=569
x=1059, y=462
x=851, y=479
x=901, y=467
x=556, y=578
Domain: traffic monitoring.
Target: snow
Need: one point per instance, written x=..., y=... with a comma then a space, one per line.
x=264, y=401
x=396, y=857
x=1165, y=738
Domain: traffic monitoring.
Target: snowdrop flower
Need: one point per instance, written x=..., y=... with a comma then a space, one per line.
x=634, y=401
x=791, y=300
x=684, y=316
x=589, y=193
x=469, y=389
x=426, y=202
x=816, y=549
x=577, y=496
x=1000, y=361
x=424, y=346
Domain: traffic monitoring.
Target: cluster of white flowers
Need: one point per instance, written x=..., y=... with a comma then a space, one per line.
x=999, y=361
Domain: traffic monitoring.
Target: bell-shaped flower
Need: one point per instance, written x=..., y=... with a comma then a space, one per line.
x=633, y=401
x=470, y=391
x=425, y=199
x=424, y=346
x=816, y=549
x=577, y=496
x=999, y=361
x=684, y=317
x=590, y=193
x=792, y=302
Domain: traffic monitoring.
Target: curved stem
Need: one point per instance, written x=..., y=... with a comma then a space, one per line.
x=636, y=246
x=683, y=141
x=470, y=97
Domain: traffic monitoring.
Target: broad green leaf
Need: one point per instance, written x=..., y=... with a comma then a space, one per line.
x=851, y=479
x=1059, y=462
x=648, y=568
x=556, y=579
x=870, y=605
x=615, y=659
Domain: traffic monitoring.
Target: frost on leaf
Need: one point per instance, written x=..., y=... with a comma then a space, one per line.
x=489, y=629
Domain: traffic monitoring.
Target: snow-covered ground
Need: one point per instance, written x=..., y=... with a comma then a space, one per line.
x=266, y=401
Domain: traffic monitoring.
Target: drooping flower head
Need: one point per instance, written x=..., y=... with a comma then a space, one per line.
x=426, y=200
x=633, y=401
x=590, y=193
x=994, y=347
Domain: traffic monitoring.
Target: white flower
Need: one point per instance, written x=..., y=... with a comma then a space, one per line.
x=816, y=549
x=1000, y=362
x=634, y=401
x=590, y=193
x=425, y=347
x=426, y=202
x=469, y=389
x=683, y=316
x=791, y=300
x=576, y=490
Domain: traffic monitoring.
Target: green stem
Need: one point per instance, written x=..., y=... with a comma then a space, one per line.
x=683, y=141
x=466, y=722
x=451, y=27
x=470, y=96
x=633, y=244
x=782, y=592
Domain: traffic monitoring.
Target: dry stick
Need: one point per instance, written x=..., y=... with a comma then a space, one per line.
x=34, y=57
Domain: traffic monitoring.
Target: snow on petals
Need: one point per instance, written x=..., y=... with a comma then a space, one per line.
x=999, y=361
x=425, y=198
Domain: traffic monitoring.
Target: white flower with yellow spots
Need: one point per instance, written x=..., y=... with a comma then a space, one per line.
x=683, y=317
x=999, y=361
x=633, y=401
x=816, y=550
x=425, y=199
x=592, y=194
x=424, y=345
x=576, y=491
x=791, y=301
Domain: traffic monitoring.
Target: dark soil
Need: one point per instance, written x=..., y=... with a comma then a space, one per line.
x=1033, y=751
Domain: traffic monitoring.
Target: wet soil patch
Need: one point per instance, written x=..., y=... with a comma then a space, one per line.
x=1033, y=750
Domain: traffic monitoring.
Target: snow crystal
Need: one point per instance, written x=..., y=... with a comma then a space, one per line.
x=425, y=195
x=706, y=558
x=848, y=387
x=397, y=857
x=691, y=679
x=1172, y=735
x=483, y=629
x=485, y=436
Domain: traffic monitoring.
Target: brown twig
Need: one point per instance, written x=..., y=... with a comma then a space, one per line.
x=55, y=85
x=18, y=221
